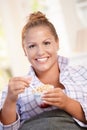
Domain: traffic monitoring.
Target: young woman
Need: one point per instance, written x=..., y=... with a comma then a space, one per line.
x=41, y=44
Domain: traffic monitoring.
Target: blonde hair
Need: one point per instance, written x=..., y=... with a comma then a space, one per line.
x=38, y=19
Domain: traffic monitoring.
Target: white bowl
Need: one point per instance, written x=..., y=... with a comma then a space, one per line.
x=39, y=94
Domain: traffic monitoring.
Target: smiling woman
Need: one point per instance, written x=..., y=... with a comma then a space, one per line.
x=40, y=43
x=40, y=49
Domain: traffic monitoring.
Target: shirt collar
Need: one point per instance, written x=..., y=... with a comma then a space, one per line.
x=62, y=61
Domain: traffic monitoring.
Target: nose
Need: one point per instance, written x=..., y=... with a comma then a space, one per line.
x=40, y=50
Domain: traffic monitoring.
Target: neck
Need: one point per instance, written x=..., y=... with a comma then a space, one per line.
x=51, y=76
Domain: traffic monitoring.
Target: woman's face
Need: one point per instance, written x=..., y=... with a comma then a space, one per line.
x=41, y=48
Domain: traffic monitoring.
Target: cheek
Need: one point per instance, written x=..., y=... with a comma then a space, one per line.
x=53, y=50
x=30, y=56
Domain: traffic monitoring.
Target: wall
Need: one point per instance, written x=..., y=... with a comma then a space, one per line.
x=61, y=12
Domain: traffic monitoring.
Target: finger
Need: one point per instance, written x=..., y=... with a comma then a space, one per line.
x=17, y=92
x=23, y=79
x=20, y=91
x=49, y=95
x=20, y=82
x=51, y=99
x=19, y=87
x=46, y=102
x=52, y=103
x=54, y=90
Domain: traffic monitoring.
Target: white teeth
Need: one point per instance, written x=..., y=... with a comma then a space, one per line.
x=42, y=59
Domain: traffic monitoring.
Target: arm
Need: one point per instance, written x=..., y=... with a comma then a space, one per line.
x=8, y=110
x=16, y=86
x=74, y=108
x=56, y=97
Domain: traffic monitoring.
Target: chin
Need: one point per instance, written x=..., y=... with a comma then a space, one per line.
x=43, y=69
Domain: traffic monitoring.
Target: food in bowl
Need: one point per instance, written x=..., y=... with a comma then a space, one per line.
x=38, y=92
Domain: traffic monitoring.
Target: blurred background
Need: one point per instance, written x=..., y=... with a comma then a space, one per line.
x=69, y=18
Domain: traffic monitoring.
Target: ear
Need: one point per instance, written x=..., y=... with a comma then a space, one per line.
x=24, y=50
x=57, y=46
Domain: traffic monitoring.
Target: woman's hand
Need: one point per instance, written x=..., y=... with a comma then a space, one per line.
x=56, y=97
x=16, y=86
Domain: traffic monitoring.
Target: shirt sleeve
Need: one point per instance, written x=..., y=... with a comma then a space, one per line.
x=78, y=78
x=84, y=107
x=12, y=126
x=83, y=101
x=80, y=123
x=1, y=127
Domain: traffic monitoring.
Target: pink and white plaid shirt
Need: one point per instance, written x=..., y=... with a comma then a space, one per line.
x=73, y=78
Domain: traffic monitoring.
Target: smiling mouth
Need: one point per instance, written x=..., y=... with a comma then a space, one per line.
x=42, y=59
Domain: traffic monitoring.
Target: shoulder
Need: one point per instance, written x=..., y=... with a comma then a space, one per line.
x=63, y=62
x=78, y=69
x=77, y=72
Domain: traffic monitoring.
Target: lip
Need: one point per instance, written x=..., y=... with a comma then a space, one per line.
x=41, y=60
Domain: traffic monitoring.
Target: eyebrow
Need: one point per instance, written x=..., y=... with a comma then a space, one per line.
x=47, y=39
x=31, y=42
